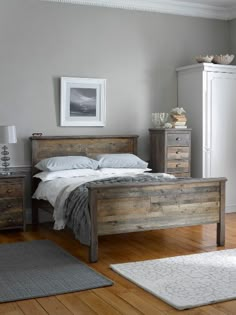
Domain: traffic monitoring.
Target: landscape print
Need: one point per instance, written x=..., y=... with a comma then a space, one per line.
x=83, y=102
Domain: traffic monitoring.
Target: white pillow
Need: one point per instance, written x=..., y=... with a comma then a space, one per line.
x=45, y=176
x=59, y=163
x=121, y=171
x=120, y=160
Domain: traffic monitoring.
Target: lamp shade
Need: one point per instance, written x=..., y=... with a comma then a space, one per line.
x=8, y=134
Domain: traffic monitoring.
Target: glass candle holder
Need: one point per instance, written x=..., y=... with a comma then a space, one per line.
x=163, y=118
x=159, y=119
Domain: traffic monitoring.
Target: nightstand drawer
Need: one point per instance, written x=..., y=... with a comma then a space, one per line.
x=178, y=139
x=11, y=187
x=11, y=218
x=12, y=196
x=178, y=153
x=11, y=204
x=177, y=166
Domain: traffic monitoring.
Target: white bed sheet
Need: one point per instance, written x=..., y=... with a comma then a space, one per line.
x=56, y=192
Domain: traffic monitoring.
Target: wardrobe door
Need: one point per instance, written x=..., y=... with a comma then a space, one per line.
x=220, y=132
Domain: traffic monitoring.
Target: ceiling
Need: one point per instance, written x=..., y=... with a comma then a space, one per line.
x=220, y=3
x=214, y=9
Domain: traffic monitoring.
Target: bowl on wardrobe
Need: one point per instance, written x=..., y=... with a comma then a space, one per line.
x=223, y=59
x=206, y=58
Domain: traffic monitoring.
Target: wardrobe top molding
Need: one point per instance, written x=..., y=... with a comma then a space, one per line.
x=220, y=9
x=211, y=67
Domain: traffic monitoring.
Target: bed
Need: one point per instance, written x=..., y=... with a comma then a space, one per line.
x=130, y=207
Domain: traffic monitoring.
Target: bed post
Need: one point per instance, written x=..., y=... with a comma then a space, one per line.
x=93, y=248
x=221, y=225
x=35, y=212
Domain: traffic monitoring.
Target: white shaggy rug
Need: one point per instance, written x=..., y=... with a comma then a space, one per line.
x=186, y=281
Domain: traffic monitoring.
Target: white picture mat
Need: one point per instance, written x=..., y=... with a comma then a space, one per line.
x=96, y=88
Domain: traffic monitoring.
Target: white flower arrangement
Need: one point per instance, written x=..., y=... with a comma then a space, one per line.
x=178, y=111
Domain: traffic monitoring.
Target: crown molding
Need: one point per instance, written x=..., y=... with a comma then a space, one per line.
x=162, y=6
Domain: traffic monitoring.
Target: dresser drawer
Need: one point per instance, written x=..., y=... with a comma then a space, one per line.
x=11, y=187
x=182, y=174
x=178, y=139
x=178, y=153
x=178, y=166
x=170, y=151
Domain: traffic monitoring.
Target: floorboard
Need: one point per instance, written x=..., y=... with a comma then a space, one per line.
x=123, y=297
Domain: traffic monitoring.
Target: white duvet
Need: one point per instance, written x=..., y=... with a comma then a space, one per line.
x=56, y=192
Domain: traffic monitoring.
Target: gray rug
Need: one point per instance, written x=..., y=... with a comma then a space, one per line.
x=41, y=268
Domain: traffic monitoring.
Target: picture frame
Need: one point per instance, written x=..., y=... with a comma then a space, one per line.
x=83, y=102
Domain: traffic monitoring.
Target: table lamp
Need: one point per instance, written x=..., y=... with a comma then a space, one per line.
x=7, y=135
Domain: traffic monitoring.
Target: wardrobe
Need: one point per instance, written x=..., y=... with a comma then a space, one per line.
x=208, y=94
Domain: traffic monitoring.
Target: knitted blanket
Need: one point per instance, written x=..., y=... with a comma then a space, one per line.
x=77, y=212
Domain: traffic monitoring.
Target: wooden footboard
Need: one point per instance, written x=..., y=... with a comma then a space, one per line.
x=140, y=207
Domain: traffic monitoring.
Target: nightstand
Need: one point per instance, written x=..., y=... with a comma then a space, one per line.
x=170, y=151
x=12, y=212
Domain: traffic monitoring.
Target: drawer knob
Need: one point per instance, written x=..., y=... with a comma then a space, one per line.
x=178, y=165
x=10, y=220
x=9, y=191
x=9, y=205
x=177, y=152
x=178, y=139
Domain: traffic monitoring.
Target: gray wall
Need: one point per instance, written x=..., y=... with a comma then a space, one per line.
x=137, y=52
x=232, y=37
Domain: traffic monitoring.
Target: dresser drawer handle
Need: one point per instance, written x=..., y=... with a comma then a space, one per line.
x=177, y=152
x=9, y=205
x=9, y=191
x=178, y=165
x=10, y=220
x=178, y=139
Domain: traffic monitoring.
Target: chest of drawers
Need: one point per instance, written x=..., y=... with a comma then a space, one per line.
x=170, y=151
x=12, y=202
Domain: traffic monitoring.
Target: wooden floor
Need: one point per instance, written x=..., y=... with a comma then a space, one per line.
x=123, y=297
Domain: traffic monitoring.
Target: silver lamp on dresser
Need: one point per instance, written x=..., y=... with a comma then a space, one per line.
x=7, y=136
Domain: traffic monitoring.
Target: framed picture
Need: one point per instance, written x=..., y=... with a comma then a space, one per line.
x=83, y=102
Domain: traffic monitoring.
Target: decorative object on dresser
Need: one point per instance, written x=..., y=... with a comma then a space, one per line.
x=83, y=102
x=122, y=207
x=178, y=118
x=159, y=119
x=208, y=93
x=170, y=151
x=12, y=211
x=7, y=135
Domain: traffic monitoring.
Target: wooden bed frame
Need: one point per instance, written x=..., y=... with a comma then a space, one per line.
x=130, y=207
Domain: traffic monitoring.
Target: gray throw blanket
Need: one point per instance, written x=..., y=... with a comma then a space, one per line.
x=77, y=209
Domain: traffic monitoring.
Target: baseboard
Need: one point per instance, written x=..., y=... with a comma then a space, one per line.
x=230, y=209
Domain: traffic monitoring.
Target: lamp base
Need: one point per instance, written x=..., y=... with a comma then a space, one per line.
x=4, y=173
x=6, y=161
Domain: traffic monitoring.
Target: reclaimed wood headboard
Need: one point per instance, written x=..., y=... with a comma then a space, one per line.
x=48, y=146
